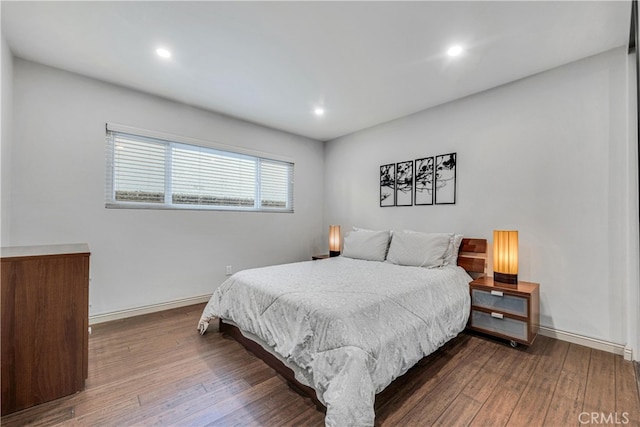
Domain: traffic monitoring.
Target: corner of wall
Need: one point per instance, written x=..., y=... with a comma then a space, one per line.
x=632, y=349
x=6, y=137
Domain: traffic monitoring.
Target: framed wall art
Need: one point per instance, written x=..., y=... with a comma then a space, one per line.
x=404, y=183
x=388, y=185
x=445, y=179
x=424, y=181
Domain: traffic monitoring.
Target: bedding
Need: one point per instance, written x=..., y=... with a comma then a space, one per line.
x=417, y=249
x=350, y=325
x=370, y=245
x=451, y=256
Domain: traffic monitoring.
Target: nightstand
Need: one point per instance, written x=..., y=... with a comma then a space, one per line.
x=323, y=256
x=506, y=311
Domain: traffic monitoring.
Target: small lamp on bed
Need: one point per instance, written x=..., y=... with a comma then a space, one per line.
x=334, y=240
x=505, y=256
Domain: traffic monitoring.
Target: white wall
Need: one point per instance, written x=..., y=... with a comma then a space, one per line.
x=6, y=126
x=546, y=155
x=143, y=257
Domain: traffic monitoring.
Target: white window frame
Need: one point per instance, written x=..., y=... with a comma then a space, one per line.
x=173, y=141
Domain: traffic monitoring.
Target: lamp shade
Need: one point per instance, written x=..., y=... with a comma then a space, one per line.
x=505, y=256
x=334, y=240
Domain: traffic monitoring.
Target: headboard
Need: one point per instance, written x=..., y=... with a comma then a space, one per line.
x=473, y=256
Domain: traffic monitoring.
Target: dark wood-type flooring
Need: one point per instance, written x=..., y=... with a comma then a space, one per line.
x=156, y=370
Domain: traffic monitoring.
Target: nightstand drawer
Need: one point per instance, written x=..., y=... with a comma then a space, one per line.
x=499, y=301
x=499, y=324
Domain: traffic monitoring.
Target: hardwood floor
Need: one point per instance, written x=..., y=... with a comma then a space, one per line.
x=156, y=370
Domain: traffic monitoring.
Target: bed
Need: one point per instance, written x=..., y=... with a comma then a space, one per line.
x=340, y=330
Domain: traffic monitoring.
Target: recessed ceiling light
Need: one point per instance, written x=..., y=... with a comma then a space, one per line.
x=319, y=111
x=163, y=53
x=455, y=50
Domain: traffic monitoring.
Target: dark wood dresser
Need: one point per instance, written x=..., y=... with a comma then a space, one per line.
x=45, y=320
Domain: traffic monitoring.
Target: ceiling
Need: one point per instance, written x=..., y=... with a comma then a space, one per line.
x=273, y=63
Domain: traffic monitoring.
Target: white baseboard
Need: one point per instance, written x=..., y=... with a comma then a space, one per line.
x=587, y=341
x=628, y=353
x=597, y=344
x=131, y=312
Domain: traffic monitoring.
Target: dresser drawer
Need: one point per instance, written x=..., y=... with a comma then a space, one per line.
x=499, y=301
x=502, y=325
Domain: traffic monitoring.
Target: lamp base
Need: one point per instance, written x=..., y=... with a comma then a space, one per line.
x=511, y=279
x=334, y=253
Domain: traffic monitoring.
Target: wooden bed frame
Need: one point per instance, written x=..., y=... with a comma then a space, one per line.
x=472, y=257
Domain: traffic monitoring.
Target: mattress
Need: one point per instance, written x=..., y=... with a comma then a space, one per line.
x=349, y=326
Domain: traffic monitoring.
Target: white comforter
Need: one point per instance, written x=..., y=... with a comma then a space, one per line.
x=351, y=325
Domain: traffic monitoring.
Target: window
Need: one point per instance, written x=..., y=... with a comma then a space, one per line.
x=159, y=172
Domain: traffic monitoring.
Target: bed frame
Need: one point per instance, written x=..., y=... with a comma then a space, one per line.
x=472, y=257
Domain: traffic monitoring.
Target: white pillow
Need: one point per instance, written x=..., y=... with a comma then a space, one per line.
x=451, y=256
x=418, y=249
x=369, y=245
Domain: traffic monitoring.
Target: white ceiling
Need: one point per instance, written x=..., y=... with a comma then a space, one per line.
x=273, y=62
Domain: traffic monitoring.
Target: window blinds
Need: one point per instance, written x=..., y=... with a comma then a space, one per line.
x=151, y=172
